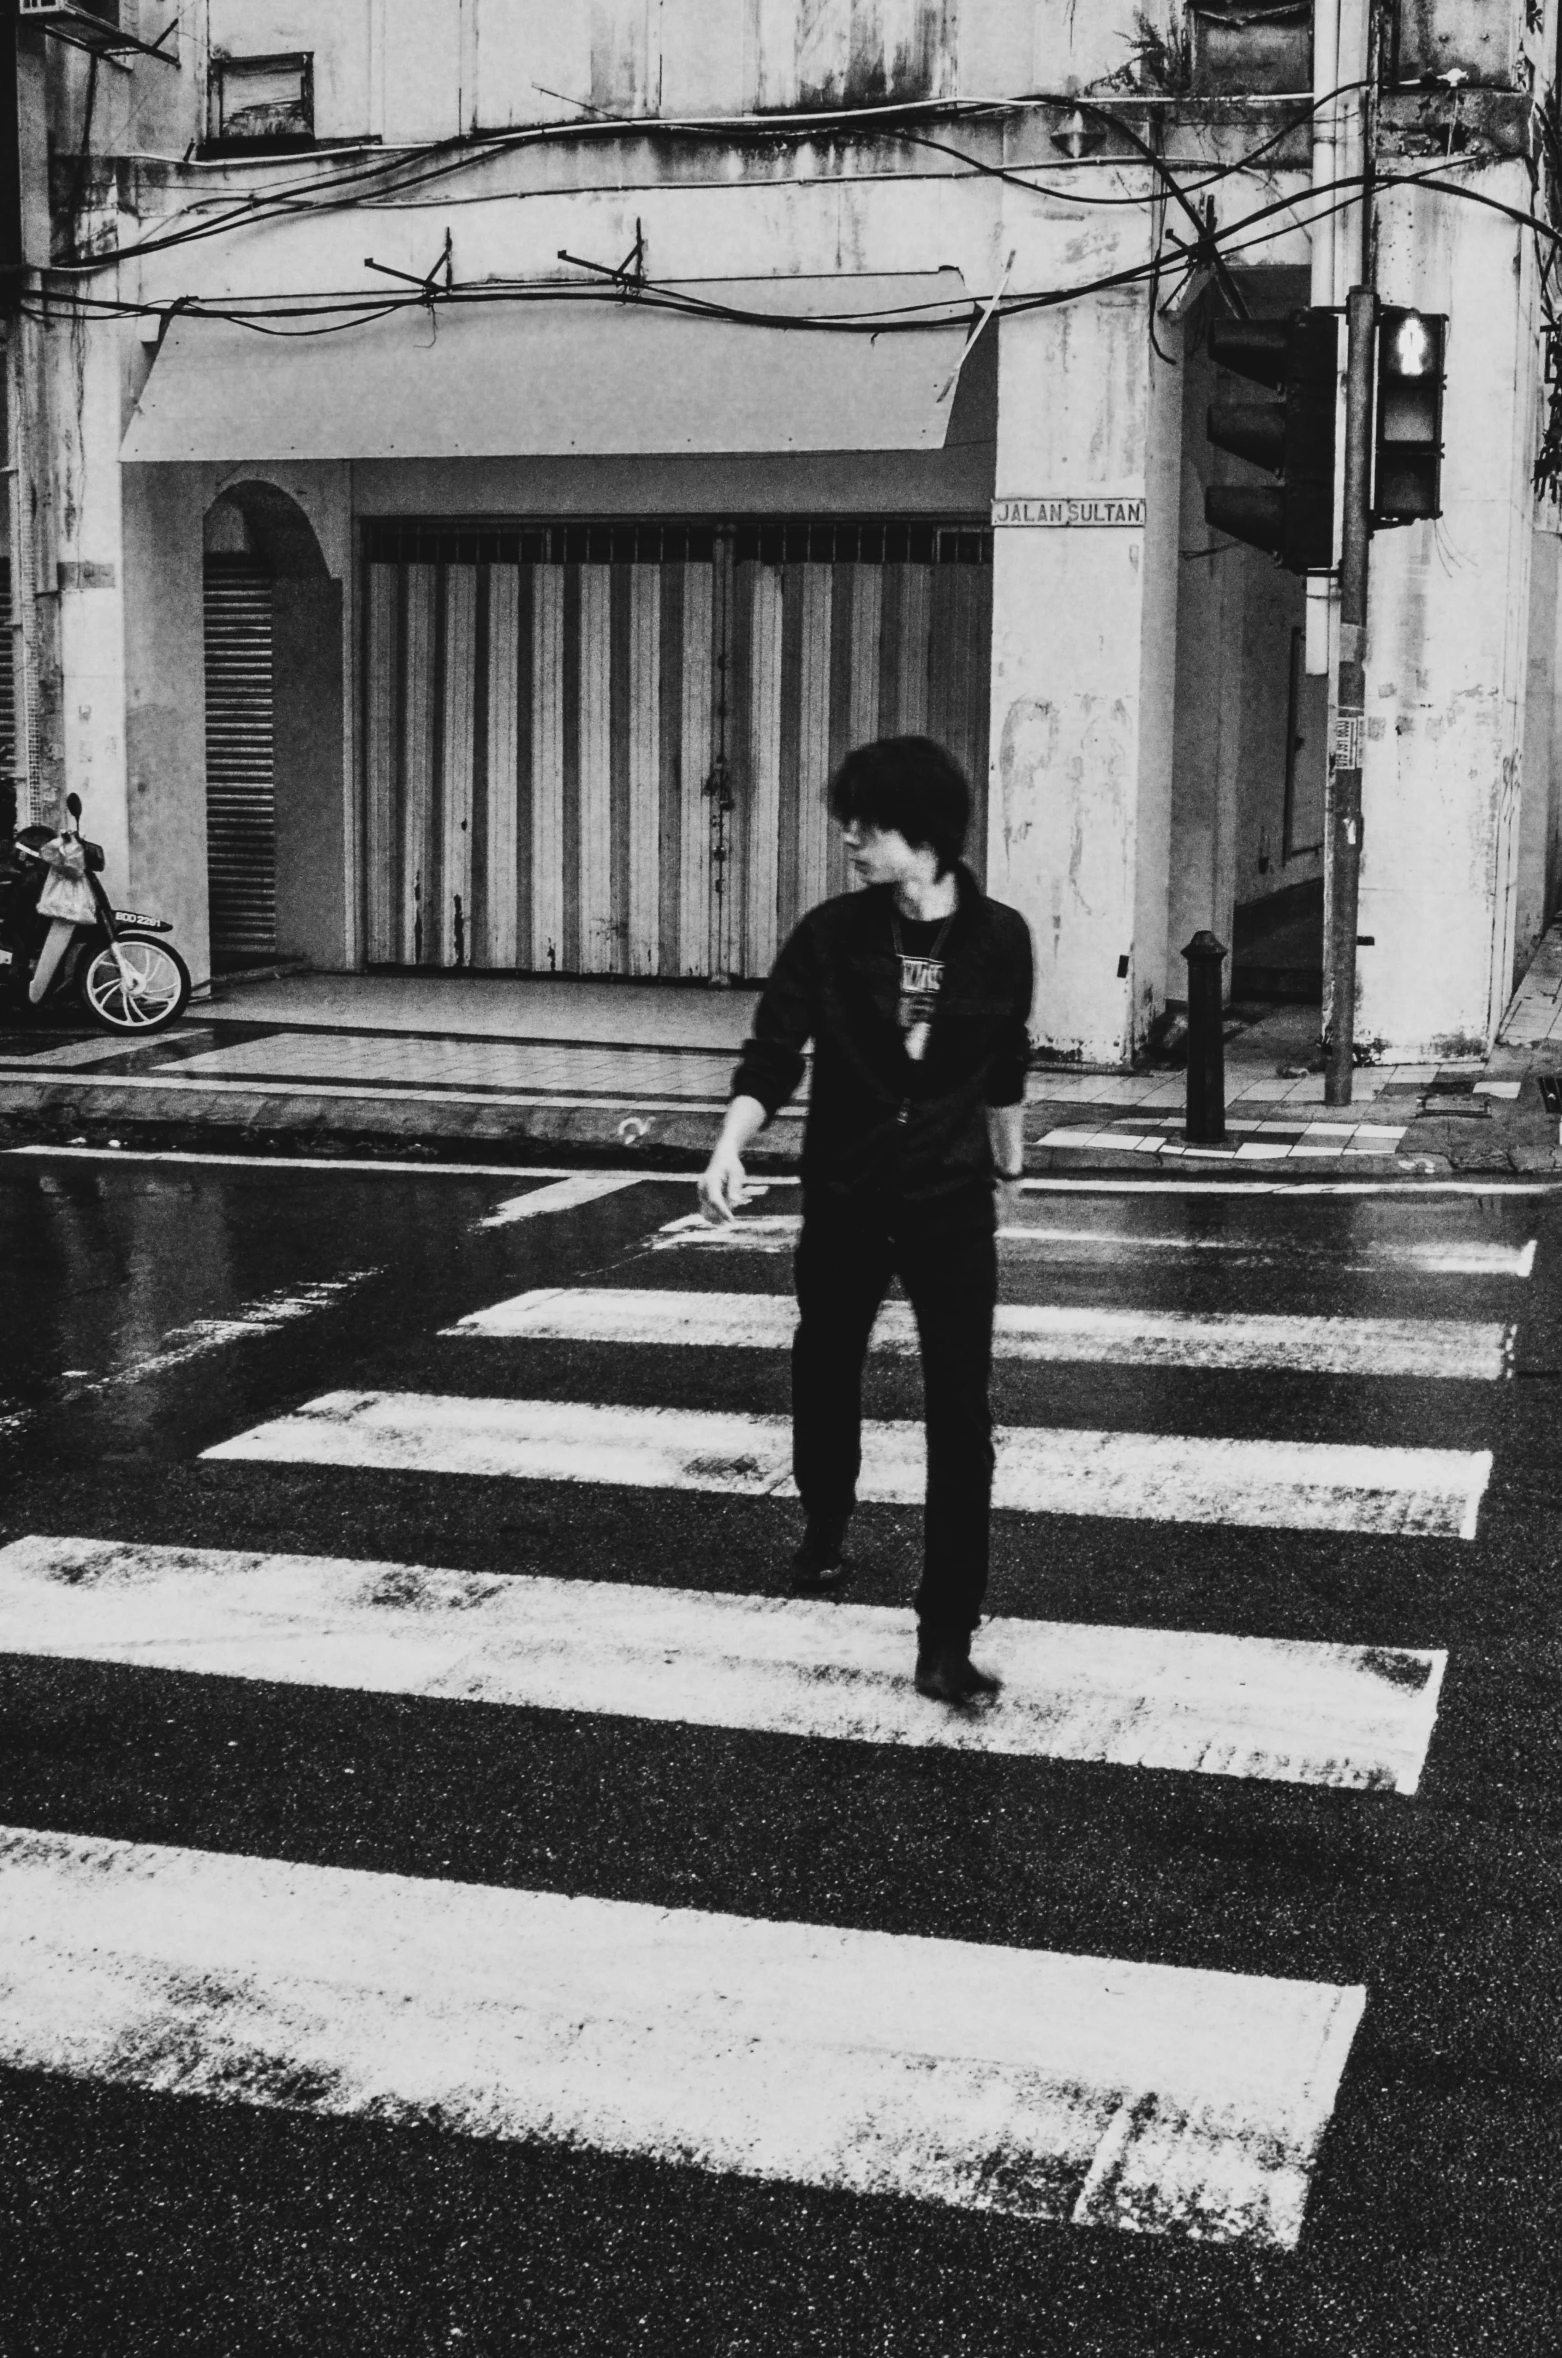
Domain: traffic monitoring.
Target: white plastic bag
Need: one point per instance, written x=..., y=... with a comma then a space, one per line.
x=67, y=894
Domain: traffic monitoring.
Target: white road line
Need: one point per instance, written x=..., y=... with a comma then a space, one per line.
x=250, y=1321
x=1295, y=1712
x=514, y=1172
x=585, y=1187
x=1455, y=1348
x=762, y=1232
x=1125, y=1140
x=1150, y=1477
x=1165, y=2099
x=1213, y=1186
x=776, y=1232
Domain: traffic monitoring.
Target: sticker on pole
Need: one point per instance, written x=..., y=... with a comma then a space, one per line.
x=1346, y=743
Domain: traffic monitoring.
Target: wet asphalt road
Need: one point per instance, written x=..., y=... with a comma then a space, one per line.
x=153, y=1309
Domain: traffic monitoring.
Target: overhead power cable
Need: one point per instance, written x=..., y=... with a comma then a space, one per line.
x=333, y=311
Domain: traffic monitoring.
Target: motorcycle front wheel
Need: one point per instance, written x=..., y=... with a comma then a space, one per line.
x=138, y=984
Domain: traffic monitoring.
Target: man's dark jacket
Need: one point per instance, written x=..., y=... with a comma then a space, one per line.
x=886, y=1136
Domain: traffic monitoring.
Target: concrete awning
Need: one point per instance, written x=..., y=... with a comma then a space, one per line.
x=569, y=375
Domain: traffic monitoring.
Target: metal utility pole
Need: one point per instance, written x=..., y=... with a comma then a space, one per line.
x=1342, y=844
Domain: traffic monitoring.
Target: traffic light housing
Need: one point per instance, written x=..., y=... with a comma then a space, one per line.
x=1293, y=438
x=1407, y=475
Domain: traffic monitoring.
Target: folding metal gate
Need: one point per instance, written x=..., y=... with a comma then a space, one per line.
x=241, y=850
x=602, y=749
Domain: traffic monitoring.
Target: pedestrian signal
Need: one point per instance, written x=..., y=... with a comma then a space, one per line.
x=1407, y=478
x=1293, y=438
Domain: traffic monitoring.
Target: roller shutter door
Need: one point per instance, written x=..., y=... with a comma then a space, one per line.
x=241, y=859
x=602, y=749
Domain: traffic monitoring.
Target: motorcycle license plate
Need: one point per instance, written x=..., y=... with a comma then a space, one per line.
x=5, y=957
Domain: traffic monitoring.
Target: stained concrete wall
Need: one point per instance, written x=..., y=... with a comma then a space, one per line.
x=1448, y=624
x=1540, y=813
x=165, y=703
x=408, y=70
x=84, y=417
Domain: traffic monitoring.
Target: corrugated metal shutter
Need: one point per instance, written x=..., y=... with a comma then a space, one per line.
x=843, y=632
x=241, y=853
x=601, y=749
x=539, y=737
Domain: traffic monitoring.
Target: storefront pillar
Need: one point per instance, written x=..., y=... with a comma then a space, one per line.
x=1084, y=638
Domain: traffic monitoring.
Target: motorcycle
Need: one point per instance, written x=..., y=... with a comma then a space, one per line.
x=113, y=962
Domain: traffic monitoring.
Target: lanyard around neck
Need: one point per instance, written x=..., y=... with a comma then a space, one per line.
x=938, y=939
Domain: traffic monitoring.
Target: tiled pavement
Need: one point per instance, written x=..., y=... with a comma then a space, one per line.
x=425, y=1064
x=201, y=1064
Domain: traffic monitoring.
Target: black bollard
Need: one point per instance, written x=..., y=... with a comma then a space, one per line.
x=1206, y=1125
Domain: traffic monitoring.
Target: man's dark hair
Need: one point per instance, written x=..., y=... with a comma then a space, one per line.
x=908, y=784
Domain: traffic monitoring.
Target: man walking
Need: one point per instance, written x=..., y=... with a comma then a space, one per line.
x=915, y=994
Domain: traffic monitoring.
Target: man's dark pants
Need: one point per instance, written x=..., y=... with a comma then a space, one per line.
x=844, y=1266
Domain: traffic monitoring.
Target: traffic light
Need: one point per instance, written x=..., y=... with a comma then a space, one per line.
x=1407, y=479
x=1293, y=437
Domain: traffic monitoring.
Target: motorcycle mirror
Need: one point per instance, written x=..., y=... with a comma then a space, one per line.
x=73, y=805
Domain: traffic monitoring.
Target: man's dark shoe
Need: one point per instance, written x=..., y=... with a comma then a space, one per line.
x=946, y=1674
x=819, y=1566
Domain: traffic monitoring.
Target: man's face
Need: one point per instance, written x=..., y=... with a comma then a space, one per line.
x=881, y=855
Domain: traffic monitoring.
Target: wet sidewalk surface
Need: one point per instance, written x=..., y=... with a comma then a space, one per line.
x=610, y=1066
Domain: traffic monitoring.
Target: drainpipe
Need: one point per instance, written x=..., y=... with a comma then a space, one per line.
x=1323, y=294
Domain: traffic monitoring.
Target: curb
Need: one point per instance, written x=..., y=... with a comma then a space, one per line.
x=623, y=1134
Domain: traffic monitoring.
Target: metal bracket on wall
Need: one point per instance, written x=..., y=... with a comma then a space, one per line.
x=97, y=29
x=428, y=287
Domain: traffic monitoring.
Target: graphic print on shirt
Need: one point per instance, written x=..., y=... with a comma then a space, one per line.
x=921, y=980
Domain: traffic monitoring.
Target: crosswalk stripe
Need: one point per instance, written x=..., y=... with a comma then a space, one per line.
x=1437, y=1347
x=1295, y=1485
x=776, y=1232
x=1287, y=1710
x=1046, y=2086
x=565, y=1195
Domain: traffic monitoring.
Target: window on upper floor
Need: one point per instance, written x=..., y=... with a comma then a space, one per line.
x=262, y=102
x=1251, y=48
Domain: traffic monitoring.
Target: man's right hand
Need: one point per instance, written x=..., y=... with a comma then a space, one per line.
x=723, y=1185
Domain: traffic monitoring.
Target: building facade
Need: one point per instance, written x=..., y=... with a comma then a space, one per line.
x=478, y=465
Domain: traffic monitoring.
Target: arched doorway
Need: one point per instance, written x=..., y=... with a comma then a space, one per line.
x=274, y=794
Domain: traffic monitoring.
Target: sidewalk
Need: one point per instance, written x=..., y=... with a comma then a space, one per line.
x=438, y=1064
